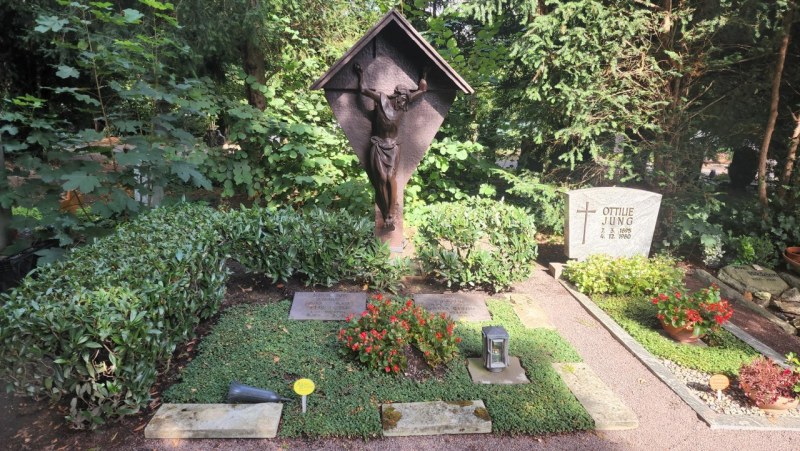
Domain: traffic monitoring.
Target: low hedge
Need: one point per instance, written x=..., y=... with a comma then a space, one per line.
x=96, y=326
x=477, y=242
x=636, y=275
x=324, y=247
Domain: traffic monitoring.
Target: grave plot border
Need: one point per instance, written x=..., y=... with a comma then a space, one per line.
x=713, y=419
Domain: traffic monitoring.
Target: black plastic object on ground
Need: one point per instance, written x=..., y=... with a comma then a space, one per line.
x=240, y=393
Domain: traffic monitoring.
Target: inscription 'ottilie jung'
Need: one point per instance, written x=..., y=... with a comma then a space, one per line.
x=615, y=217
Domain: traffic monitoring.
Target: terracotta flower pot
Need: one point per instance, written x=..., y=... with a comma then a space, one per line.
x=683, y=334
x=792, y=261
x=778, y=406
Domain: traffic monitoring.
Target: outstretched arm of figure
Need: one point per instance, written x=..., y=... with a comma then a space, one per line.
x=423, y=86
x=369, y=92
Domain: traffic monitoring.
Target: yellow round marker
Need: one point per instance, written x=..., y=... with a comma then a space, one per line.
x=304, y=387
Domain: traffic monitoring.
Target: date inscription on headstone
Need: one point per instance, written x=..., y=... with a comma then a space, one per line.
x=459, y=306
x=327, y=306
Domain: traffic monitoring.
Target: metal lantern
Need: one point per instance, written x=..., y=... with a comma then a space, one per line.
x=495, y=348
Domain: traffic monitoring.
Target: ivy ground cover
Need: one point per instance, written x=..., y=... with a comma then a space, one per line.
x=259, y=345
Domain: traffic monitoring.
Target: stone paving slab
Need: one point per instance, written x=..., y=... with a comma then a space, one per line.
x=435, y=418
x=607, y=410
x=459, y=306
x=215, y=421
x=513, y=374
x=529, y=313
x=713, y=419
x=327, y=305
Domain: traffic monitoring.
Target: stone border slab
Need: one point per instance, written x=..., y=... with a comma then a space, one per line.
x=215, y=421
x=605, y=408
x=739, y=301
x=713, y=419
x=459, y=306
x=513, y=374
x=326, y=305
x=529, y=313
x=435, y=418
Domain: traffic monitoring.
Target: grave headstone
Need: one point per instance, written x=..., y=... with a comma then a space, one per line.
x=215, y=421
x=614, y=221
x=435, y=418
x=459, y=306
x=327, y=306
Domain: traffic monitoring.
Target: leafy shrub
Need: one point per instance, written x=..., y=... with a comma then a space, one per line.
x=746, y=250
x=477, y=242
x=325, y=247
x=637, y=275
x=379, y=335
x=96, y=326
x=764, y=381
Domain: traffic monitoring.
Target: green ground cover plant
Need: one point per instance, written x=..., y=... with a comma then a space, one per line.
x=94, y=328
x=258, y=345
x=725, y=353
x=623, y=288
x=477, y=242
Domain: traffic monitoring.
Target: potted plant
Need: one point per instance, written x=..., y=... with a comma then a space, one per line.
x=770, y=386
x=687, y=317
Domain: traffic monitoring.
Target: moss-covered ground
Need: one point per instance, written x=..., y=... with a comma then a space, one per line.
x=258, y=345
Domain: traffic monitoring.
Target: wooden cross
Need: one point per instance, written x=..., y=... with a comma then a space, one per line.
x=585, y=212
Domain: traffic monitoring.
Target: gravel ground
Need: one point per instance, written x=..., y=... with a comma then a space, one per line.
x=732, y=401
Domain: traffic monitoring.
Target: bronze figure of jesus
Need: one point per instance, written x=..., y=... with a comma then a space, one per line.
x=383, y=155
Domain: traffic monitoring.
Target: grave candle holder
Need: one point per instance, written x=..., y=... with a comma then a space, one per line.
x=495, y=348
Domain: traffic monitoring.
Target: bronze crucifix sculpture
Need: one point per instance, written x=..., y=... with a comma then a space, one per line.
x=388, y=114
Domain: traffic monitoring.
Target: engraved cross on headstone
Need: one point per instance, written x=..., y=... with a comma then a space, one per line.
x=585, y=212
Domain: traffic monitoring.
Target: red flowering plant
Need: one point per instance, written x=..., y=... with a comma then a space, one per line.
x=764, y=381
x=704, y=311
x=378, y=336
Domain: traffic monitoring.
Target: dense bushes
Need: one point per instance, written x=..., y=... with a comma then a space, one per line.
x=477, y=242
x=95, y=327
x=637, y=275
x=324, y=247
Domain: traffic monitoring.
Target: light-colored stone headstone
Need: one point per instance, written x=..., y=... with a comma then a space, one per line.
x=613, y=221
x=459, y=306
x=215, y=421
x=327, y=306
x=434, y=418
x=747, y=278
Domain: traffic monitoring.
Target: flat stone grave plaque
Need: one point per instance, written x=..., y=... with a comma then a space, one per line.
x=748, y=278
x=215, y=421
x=435, y=418
x=327, y=306
x=459, y=306
x=614, y=221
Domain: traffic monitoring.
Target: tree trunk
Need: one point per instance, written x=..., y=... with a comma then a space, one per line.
x=254, y=66
x=788, y=168
x=773, y=109
x=5, y=213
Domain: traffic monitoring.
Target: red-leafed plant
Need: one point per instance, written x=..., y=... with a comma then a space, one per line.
x=378, y=337
x=704, y=310
x=764, y=381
